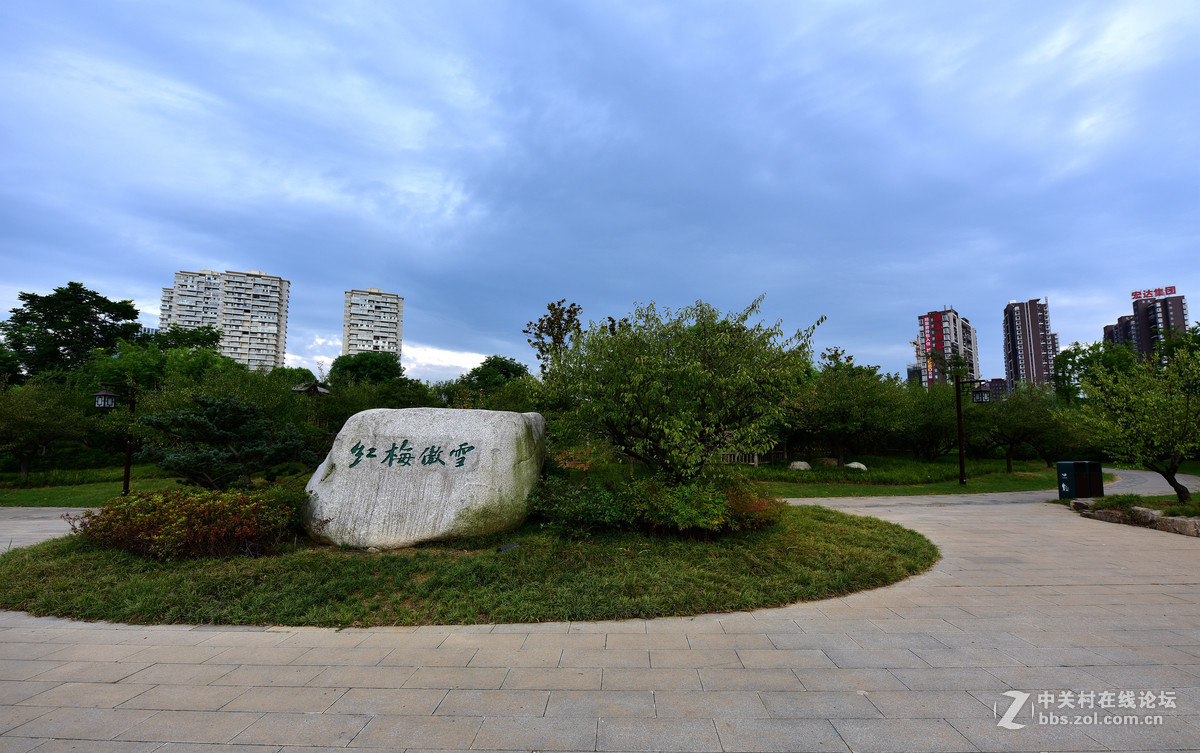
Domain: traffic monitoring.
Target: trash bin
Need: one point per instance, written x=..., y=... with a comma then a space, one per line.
x=1080, y=479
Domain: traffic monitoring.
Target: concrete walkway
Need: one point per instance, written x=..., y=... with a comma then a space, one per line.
x=1086, y=617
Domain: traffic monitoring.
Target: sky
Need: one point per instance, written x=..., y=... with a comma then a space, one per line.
x=863, y=161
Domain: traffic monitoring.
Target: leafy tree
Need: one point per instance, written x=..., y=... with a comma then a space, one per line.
x=493, y=373
x=10, y=365
x=847, y=404
x=674, y=388
x=60, y=330
x=32, y=417
x=207, y=337
x=1025, y=416
x=292, y=376
x=928, y=420
x=1151, y=415
x=1076, y=363
x=548, y=336
x=372, y=366
x=220, y=442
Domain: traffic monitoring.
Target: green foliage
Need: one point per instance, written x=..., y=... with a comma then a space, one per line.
x=1025, y=416
x=847, y=405
x=928, y=421
x=59, y=331
x=10, y=365
x=372, y=366
x=548, y=336
x=291, y=376
x=1150, y=415
x=1076, y=364
x=494, y=373
x=176, y=338
x=672, y=389
x=32, y=417
x=221, y=442
x=185, y=525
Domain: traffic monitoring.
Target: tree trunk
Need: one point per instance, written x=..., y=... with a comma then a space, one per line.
x=1008, y=453
x=24, y=467
x=1181, y=491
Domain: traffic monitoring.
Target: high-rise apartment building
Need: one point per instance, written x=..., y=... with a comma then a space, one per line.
x=1029, y=345
x=372, y=320
x=947, y=333
x=1154, y=319
x=250, y=309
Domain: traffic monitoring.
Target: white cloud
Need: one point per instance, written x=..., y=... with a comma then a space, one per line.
x=428, y=363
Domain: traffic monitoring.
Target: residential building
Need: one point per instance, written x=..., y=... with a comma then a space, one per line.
x=250, y=308
x=1029, y=345
x=947, y=333
x=372, y=320
x=1154, y=319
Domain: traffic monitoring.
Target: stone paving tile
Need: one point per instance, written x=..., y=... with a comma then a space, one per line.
x=1058, y=657
x=93, y=746
x=20, y=744
x=789, y=658
x=437, y=657
x=533, y=627
x=362, y=677
x=820, y=704
x=966, y=657
x=184, y=697
x=1144, y=654
x=300, y=700
x=15, y=691
x=587, y=657
x=694, y=658
x=304, y=729
x=399, y=732
x=224, y=636
x=178, y=674
x=929, y=704
x=618, y=641
x=227, y=748
x=269, y=676
x=749, y=679
x=91, y=671
x=813, y=640
x=651, y=679
x=410, y=640
x=176, y=654
x=259, y=655
x=87, y=695
x=494, y=703
x=609, y=626
x=480, y=678
x=14, y=716
x=949, y=678
x=485, y=640
x=536, y=734
x=901, y=736
x=598, y=703
x=167, y=638
x=189, y=726
x=848, y=679
x=76, y=724
x=686, y=625
x=1156, y=677
x=515, y=657
x=898, y=640
x=783, y=735
x=417, y=701
x=564, y=640
x=984, y=734
x=1032, y=679
x=623, y=734
x=26, y=651
x=326, y=657
x=91, y=652
x=866, y=658
x=325, y=639
x=709, y=703
x=534, y=678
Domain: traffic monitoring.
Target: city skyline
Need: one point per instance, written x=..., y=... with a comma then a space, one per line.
x=865, y=162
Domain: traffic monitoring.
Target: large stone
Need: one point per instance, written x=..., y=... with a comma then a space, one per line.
x=395, y=478
x=799, y=465
x=856, y=466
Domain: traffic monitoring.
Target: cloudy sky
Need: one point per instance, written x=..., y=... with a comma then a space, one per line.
x=866, y=161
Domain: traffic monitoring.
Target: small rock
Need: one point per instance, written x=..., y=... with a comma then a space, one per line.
x=1143, y=516
x=799, y=465
x=831, y=462
x=856, y=466
x=1110, y=516
x=1082, y=504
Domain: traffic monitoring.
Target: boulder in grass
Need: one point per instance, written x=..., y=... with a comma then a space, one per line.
x=856, y=466
x=395, y=478
x=799, y=465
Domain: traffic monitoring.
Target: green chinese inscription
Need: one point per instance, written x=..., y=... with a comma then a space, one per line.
x=402, y=455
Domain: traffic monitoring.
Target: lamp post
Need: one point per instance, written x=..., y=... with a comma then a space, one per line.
x=106, y=400
x=978, y=397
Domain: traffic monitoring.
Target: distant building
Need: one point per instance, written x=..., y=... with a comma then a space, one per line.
x=372, y=320
x=998, y=387
x=1155, y=318
x=250, y=309
x=948, y=333
x=1029, y=345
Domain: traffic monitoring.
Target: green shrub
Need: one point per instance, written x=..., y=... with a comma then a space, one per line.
x=1122, y=502
x=579, y=507
x=1183, y=511
x=186, y=525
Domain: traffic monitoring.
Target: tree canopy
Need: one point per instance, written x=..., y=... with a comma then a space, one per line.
x=33, y=416
x=59, y=331
x=372, y=366
x=673, y=388
x=548, y=336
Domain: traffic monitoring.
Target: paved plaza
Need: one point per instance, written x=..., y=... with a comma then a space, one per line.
x=1086, y=618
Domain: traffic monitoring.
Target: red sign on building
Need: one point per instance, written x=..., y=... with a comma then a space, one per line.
x=1153, y=292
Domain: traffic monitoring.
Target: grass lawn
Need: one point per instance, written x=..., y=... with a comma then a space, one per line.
x=813, y=553
x=78, y=495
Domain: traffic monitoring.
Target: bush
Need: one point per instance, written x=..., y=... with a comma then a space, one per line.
x=187, y=525
x=714, y=503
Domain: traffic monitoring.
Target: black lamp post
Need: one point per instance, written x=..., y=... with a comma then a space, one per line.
x=108, y=400
x=978, y=397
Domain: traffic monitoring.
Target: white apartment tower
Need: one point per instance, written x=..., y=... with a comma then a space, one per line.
x=250, y=309
x=372, y=320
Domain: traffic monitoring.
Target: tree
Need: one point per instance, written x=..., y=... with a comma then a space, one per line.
x=60, y=330
x=207, y=337
x=32, y=417
x=928, y=420
x=493, y=373
x=1076, y=363
x=847, y=404
x=548, y=336
x=219, y=442
x=1024, y=416
x=1151, y=415
x=372, y=366
x=10, y=365
x=672, y=389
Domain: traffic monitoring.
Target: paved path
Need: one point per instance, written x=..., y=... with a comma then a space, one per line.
x=1028, y=597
